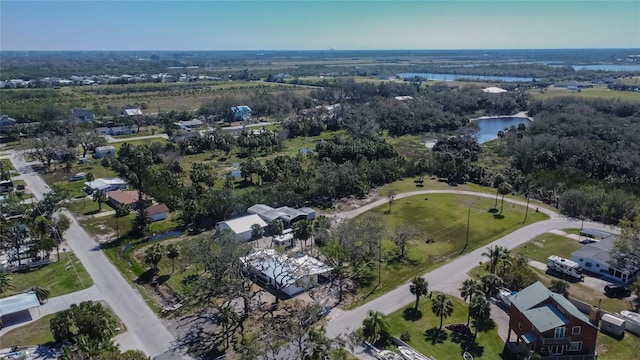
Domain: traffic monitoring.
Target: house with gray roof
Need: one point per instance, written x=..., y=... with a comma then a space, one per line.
x=595, y=257
x=6, y=122
x=286, y=214
x=549, y=324
x=78, y=115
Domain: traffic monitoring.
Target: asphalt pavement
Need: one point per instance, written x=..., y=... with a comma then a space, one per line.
x=144, y=329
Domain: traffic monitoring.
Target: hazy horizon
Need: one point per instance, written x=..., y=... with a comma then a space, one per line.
x=317, y=26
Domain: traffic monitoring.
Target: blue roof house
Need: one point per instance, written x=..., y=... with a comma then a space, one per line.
x=241, y=113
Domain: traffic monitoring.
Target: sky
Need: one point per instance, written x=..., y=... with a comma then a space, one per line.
x=318, y=25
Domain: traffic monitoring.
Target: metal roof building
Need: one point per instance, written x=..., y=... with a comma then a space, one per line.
x=18, y=303
x=241, y=226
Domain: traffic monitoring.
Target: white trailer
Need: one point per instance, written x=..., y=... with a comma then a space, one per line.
x=565, y=267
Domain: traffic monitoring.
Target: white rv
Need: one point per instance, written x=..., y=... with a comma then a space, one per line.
x=565, y=267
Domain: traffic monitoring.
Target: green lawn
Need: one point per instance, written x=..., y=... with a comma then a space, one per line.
x=489, y=344
x=609, y=348
x=35, y=333
x=443, y=217
x=545, y=245
x=59, y=277
x=7, y=165
x=598, y=91
x=118, y=145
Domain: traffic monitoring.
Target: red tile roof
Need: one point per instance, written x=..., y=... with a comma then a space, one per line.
x=157, y=209
x=124, y=197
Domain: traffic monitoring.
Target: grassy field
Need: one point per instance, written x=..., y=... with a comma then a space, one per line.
x=598, y=91
x=443, y=217
x=63, y=277
x=6, y=165
x=488, y=344
x=119, y=144
x=35, y=333
x=609, y=348
x=545, y=245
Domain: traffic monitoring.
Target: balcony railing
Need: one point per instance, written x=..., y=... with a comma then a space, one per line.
x=571, y=357
x=555, y=341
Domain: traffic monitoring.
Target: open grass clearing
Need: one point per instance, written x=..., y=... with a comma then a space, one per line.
x=443, y=218
x=489, y=345
x=597, y=92
x=545, y=245
x=149, y=141
x=609, y=348
x=7, y=165
x=35, y=333
x=63, y=277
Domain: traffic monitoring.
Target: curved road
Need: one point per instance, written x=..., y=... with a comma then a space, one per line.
x=144, y=330
x=448, y=277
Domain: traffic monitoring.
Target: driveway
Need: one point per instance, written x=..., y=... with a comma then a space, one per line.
x=448, y=277
x=145, y=331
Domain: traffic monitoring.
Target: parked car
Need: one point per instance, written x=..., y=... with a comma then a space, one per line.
x=616, y=290
x=20, y=187
x=76, y=177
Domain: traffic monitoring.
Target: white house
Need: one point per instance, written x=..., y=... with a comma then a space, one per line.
x=157, y=212
x=105, y=185
x=114, y=130
x=241, y=226
x=494, y=90
x=595, y=257
x=104, y=151
x=190, y=124
x=290, y=275
x=132, y=112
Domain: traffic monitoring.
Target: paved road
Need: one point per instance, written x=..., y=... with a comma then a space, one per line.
x=110, y=139
x=145, y=330
x=448, y=277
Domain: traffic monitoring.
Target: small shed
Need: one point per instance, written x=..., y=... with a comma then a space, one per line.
x=612, y=325
x=157, y=212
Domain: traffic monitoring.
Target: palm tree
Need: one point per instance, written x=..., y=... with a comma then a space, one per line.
x=503, y=189
x=491, y=283
x=100, y=197
x=497, y=254
x=41, y=293
x=481, y=311
x=470, y=288
x=374, y=327
x=89, y=177
x=152, y=255
x=419, y=287
x=442, y=306
x=172, y=253
x=256, y=231
x=302, y=230
x=227, y=317
x=6, y=282
x=560, y=286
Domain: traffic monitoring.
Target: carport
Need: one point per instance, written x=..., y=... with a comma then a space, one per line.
x=12, y=307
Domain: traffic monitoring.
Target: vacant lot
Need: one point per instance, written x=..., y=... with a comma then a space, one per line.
x=545, y=245
x=598, y=91
x=441, y=219
x=63, y=277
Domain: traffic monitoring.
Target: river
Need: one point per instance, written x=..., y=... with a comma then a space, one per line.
x=451, y=77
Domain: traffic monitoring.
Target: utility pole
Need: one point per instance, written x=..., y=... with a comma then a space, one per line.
x=380, y=261
x=468, y=223
x=526, y=211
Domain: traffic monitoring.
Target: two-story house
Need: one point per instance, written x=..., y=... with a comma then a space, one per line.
x=549, y=324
